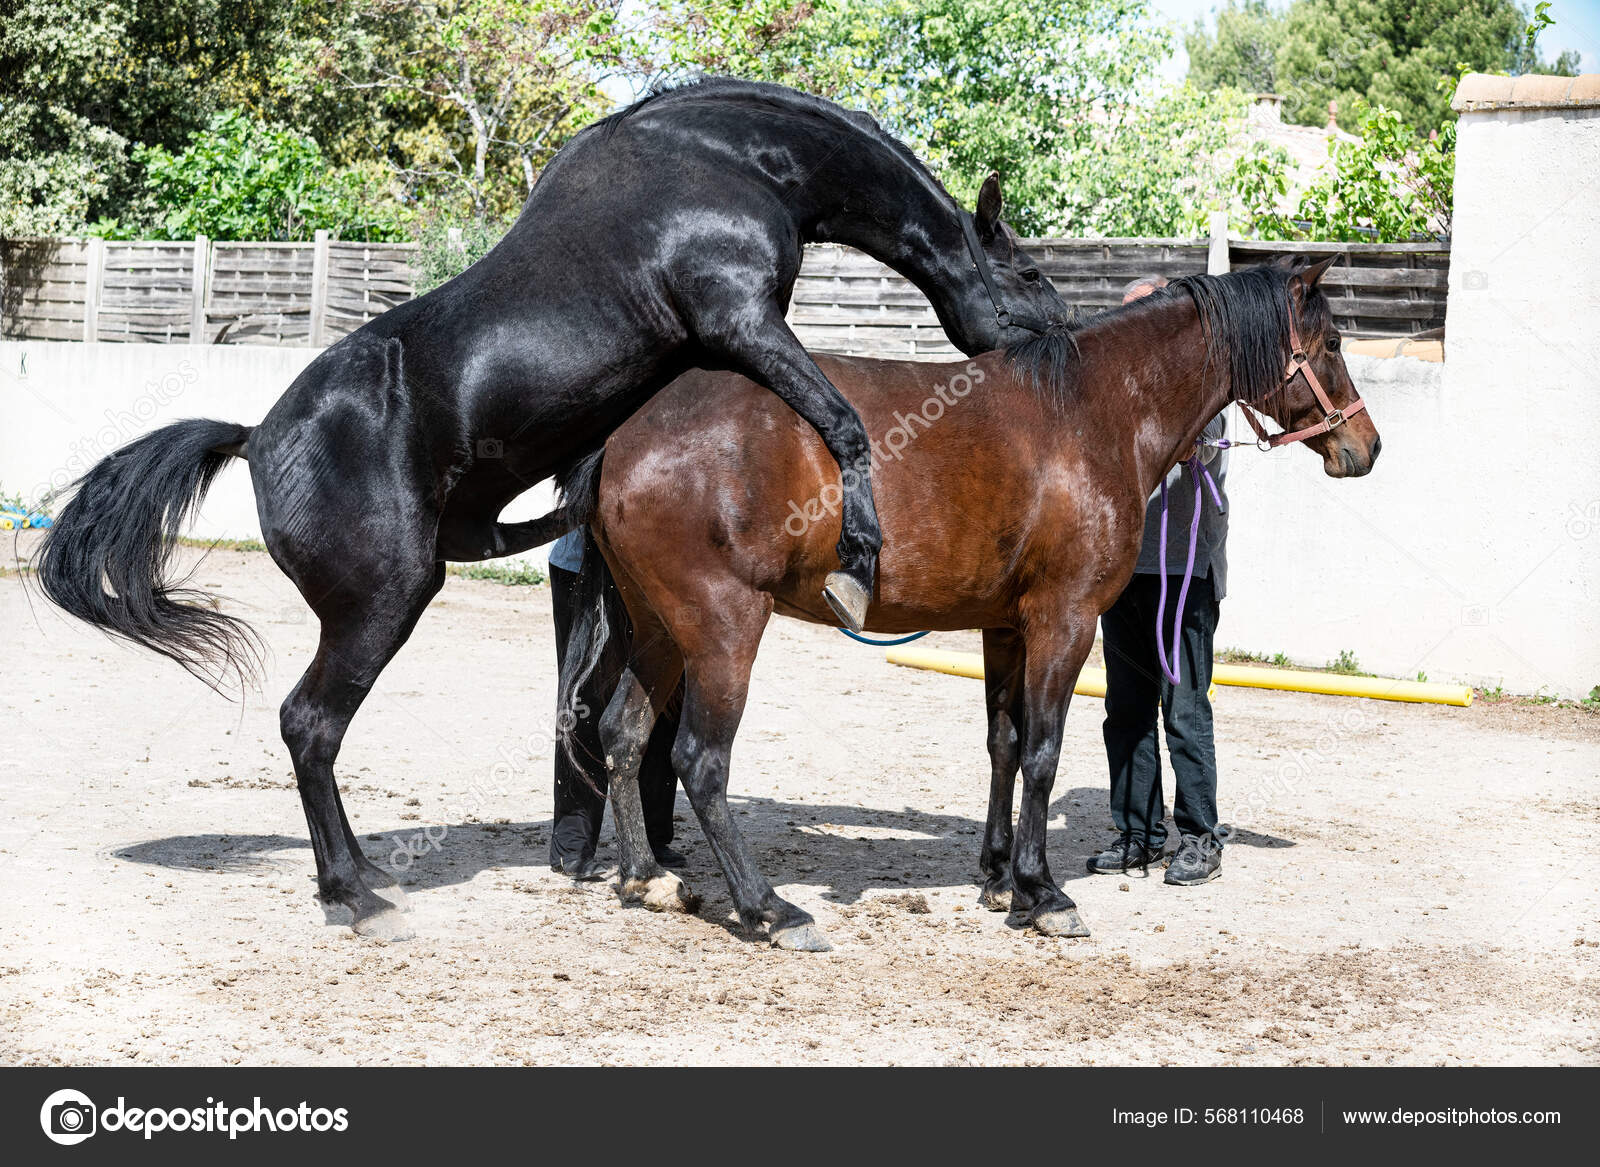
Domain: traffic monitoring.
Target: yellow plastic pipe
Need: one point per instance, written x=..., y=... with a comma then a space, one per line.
x=1377, y=688
x=1092, y=682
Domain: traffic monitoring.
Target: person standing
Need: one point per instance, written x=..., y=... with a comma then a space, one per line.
x=1137, y=689
x=580, y=785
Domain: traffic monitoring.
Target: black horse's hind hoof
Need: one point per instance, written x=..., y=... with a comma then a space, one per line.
x=1058, y=920
x=801, y=936
x=847, y=598
x=388, y=923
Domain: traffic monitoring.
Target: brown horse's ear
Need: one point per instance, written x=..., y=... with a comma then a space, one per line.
x=989, y=204
x=1309, y=277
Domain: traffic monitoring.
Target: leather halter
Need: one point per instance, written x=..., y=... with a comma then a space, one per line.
x=1299, y=363
x=1006, y=318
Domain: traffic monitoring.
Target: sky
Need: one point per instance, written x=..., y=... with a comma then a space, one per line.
x=1577, y=26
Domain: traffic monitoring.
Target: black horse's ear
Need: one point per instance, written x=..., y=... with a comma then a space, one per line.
x=989, y=204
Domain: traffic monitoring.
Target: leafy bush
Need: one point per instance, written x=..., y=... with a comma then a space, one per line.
x=244, y=179
x=440, y=258
x=1389, y=184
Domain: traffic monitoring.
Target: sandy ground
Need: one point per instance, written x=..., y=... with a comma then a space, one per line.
x=1409, y=884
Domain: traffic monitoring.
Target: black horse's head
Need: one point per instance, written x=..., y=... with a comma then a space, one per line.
x=1017, y=301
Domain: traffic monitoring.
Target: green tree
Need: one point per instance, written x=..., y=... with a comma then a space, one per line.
x=1155, y=166
x=1242, y=52
x=971, y=85
x=1401, y=54
x=84, y=79
x=500, y=85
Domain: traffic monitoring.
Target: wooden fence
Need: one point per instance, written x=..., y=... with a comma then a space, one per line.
x=314, y=293
x=238, y=293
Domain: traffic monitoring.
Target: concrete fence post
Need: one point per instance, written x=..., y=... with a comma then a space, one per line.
x=199, y=290
x=94, y=274
x=1217, y=256
x=319, y=287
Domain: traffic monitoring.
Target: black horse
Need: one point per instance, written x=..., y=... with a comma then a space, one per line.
x=667, y=236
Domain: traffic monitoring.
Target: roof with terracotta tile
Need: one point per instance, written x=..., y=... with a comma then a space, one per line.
x=1487, y=91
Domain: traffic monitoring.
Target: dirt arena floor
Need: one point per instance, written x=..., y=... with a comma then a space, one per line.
x=1408, y=884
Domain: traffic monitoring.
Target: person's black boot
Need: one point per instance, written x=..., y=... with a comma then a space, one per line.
x=1126, y=854
x=581, y=868
x=667, y=856
x=1199, y=860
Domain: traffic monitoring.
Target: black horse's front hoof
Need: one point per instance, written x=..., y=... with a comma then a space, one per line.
x=848, y=599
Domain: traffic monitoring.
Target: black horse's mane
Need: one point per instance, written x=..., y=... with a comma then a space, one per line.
x=767, y=93
x=1245, y=315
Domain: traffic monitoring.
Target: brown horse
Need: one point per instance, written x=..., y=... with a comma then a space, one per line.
x=1012, y=490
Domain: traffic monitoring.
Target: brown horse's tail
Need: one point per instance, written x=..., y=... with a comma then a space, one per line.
x=592, y=618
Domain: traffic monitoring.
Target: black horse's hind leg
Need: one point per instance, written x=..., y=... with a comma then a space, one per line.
x=761, y=343
x=362, y=628
x=1003, y=657
x=1055, y=656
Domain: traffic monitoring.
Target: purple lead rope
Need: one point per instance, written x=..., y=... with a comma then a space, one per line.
x=1197, y=471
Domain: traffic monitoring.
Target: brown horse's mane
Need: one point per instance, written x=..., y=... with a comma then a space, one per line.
x=1245, y=315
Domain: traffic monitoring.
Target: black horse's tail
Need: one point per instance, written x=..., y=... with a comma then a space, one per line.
x=592, y=619
x=105, y=559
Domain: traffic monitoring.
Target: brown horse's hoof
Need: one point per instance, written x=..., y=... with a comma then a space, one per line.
x=996, y=895
x=664, y=893
x=847, y=598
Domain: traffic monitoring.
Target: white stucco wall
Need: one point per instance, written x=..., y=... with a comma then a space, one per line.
x=1472, y=552
x=63, y=406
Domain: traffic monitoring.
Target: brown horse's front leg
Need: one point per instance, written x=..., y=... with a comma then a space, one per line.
x=1003, y=684
x=1055, y=656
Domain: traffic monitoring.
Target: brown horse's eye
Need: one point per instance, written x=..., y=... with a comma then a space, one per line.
x=1333, y=344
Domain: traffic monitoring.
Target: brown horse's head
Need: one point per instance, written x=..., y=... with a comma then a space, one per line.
x=1348, y=450
x=1250, y=318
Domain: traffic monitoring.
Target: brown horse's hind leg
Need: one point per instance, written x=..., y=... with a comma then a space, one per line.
x=645, y=685
x=1055, y=656
x=1003, y=657
x=718, y=657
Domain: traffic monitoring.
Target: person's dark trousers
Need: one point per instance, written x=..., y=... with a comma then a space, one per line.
x=579, y=809
x=1136, y=688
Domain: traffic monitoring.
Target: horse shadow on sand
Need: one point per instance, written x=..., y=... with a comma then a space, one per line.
x=845, y=850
